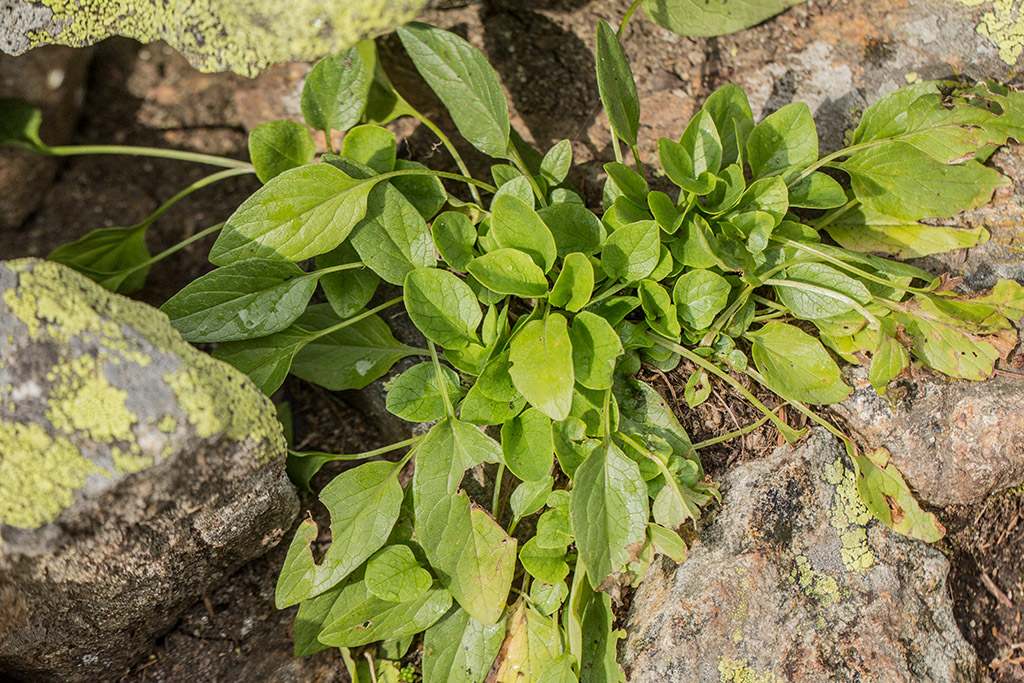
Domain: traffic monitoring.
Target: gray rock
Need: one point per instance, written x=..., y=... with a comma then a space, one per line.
x=135, y=473
x=955, y=441
x=792, y=580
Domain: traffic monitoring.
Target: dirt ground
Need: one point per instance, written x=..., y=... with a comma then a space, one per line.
x=149, y=96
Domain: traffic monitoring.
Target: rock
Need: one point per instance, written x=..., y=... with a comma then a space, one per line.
x=215, y=35
x=792, y=580
x=135, y=473
x=955, y=441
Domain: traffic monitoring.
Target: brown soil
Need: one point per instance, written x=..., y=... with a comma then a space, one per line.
x=149, y=96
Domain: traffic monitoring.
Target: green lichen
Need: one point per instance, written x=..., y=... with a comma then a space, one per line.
x=167, y=424
x=738, y=671
x=129, y=463
x=849, y=517
x=1003, y=24
x=245, y=37
x=82, y=400
x=38, y=474
x=819, y=587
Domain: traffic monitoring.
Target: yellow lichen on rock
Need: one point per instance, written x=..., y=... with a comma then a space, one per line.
x=1003, y=25
x=738, y=671
x=849, y=517
x=821, y=588
x=82, y=400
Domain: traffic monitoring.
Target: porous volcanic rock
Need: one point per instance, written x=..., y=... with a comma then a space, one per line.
x=792, y=580
x=135, y=473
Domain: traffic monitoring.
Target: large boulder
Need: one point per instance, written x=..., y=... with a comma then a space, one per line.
x=135, y=473
x=215, y=35
x=792, y=580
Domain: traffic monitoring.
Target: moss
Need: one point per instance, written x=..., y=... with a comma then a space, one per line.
x=215, y=35
x=38, y=474
x=849, y=517
x=738, y=671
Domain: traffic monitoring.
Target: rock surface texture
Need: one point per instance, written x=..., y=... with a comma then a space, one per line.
x=792, y=580
x=215, y=35
x=954, y=441
x=135, y=473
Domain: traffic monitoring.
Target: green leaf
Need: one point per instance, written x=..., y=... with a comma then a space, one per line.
x=464, y=81
x=548, y=597
x=276, y=146
x=371, y=145
x=442, y=307
x=394, y=575
x=510, y=271
x=247, y=299
x=574, y=228
x=556, y=163
x=599, y=640
x=425, y=192
x=530, y=496
x=265, y=360
x=544, y=564
x=783, y=142
x=336, y=90
x=554, y=529
x=575, y=283
x=19, y=125
x=630, y=183
x=527, y=445
x=105, y=254
x=817, y=191
x=542, y=366
x=796, y=365
x=632, y=252
x=730, y=110
x=393, y=239
x=900, y=180
x=301, y=213
x=359, y=617
x=454, y=237
x=888, y=116
x=364, y=503
x=595, y=349
x=459, y=649
x=886, y=494
x=616, y=86
x=348, y=291
x=309, y=621
x=518, y=187
x=833, y=292
x=890, y=359
x=515, y=225
x=531, y=650
x=700, y=295
x=349, y=358
x=415, y=395
x=667, y=542
x=729, y=188
x=609, y=511
x=384, y=104
x=712, y=17
x=864, y=230
x=678, y=166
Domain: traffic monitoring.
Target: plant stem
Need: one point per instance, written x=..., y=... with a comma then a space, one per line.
x=361, y=456
x=847, y=267
x=517, y=159
x=439, y=174
x=335, y=269
x=732, y=435
x=636, y=158
x=199, y=184
x=176, y=154
x=176, y=248
x=611, y=291
x=351, y=321
x=449, y=410
x=625, y=19
x=432, y=127
x=496, y=496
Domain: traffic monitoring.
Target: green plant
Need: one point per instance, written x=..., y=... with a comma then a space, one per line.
x=537, y=315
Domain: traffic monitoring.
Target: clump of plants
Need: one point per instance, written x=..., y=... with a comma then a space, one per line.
x=537, y=313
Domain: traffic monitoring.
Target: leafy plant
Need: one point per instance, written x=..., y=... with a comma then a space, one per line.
x=536, y=315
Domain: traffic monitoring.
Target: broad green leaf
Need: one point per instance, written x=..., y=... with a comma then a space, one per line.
x=544, y=564
x=542, y=365
x=510, y=271
x=632, y=252
x=394, y=575
x=518, y=187
x=384, y=104
x=667, y=542
x=864, y=230
x=816, y=290
x=698, y=244
x=712, y=17
x=459, y=649
x=527, y=445
x=548, y=597
x=783, y=142
x=703, y=144
x=554, y=529
x=309, y=621
x=888, y=116
x=364, y=504
x=415, y=395
x=899, y=180
x=348, y=291
x=371, y=145
x=556, y=162
x=359, y=617
x=19, y=125
x=630, y=183
x=531, y=649
x=454, y=237
x=480, y=409
x=1007, y=297
x=464, y=81
x=609, y=511
x=302, y=212
x=665, y=212
x=530, y=496
x=516, y=225
x=700, y=295
x=105, y=254
x=887, y=495
x=276, y=146
x=616, y=86
x=425, y=192
x=678, y=165
x=247, y=299
x=654, y=299
x=574, y=228
x=442, y=307
x=575, y=283
x=336, y=90
x=347, y=358
x=595, y=349
x=729, y=188
x=730, y=110
x=393, y=239
x=599, y=640
x=265, y=360
x=817, y=191
x=796, y=365
x=890, y=359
